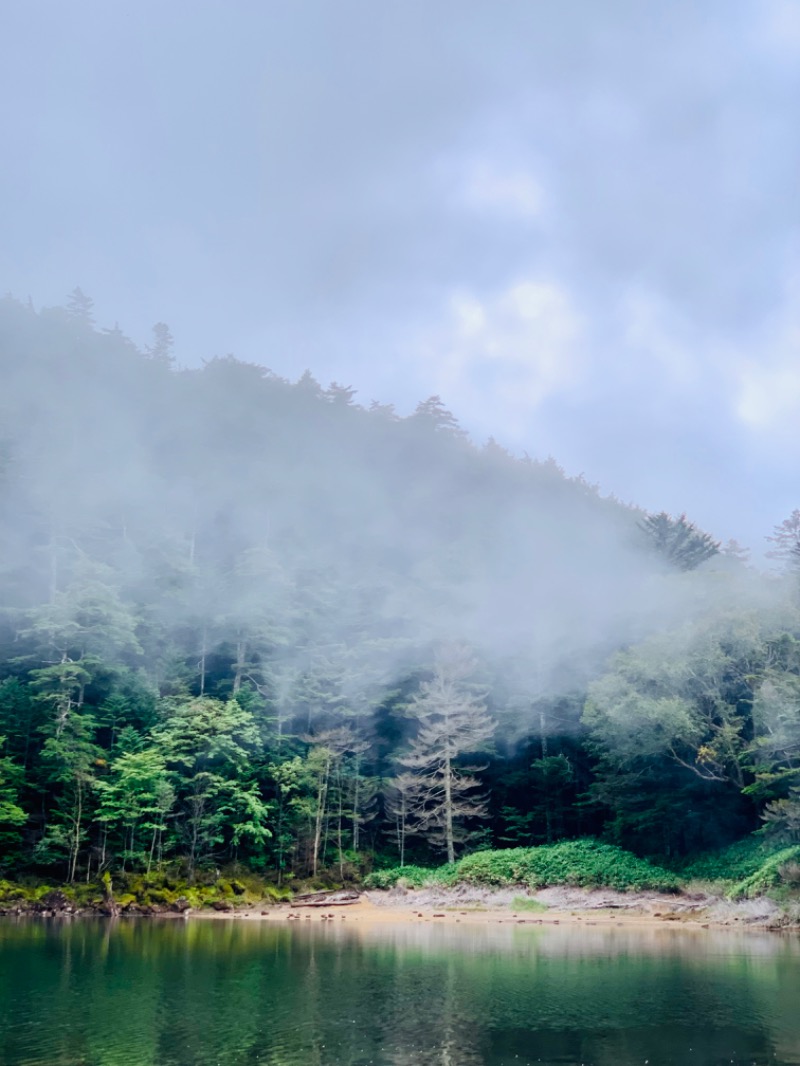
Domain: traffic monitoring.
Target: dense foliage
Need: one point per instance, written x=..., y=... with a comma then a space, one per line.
x=254, y=621
x=584, y=863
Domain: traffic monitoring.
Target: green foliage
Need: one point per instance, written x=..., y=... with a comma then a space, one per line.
x=206, y=746
x=747, y=868
x=736, y=862
x=11, y=777
x=413, y=877
x=135, y=801
x=525, y=903
x=586, y=863
x=144, y=893
x=768, y=876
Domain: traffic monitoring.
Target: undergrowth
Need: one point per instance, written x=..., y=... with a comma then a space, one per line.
x=751, y=867
x=586, y=863
x=733, y=863
x=524, y=903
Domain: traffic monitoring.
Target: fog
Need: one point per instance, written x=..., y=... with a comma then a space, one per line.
x=221, y=525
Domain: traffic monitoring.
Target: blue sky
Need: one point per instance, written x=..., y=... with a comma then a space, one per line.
x=577, y=222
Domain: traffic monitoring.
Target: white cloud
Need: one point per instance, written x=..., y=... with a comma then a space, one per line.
x=768, y=382
x=755, y=378
x=655, y=340
x=769, y=398
x=497, y=359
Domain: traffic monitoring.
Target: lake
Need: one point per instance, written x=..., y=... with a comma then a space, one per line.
x=197, y=993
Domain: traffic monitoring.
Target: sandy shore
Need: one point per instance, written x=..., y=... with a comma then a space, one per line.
x=560, y=906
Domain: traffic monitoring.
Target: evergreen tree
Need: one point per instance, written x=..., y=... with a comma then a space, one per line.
x=80, y=306
x=160, y=349
x=678, y=540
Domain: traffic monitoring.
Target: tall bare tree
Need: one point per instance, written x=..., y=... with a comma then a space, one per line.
x=440, y=797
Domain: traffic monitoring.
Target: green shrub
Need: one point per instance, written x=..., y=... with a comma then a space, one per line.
x=162, y=896
x=11, y=893
x=736, y=862
x=586, y=863
x=272, y=892
x=412, y=876
x=769, y=875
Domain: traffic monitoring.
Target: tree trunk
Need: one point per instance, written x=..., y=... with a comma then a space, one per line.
x=401, y=830
x=75, y=843
x=356, y=826
x=548, y=821
x=448, y=808
x=321, y=801
x=202, y=664
x=340, y=820
x=152, y=849
x=543, y=733
x=197, y=814
x=241, y=648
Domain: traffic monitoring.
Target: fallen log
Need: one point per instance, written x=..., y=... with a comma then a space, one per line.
x=334, y=898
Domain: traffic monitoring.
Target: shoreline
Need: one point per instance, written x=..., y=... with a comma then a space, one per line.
x=559, y=907
x=464, y=905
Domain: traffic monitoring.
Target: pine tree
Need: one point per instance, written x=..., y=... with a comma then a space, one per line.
x=678, y=540
x=80, y=306
x=161, y=348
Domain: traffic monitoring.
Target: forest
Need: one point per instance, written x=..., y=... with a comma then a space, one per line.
x=258, y=622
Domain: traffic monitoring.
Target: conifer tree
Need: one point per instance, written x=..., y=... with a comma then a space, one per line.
x=80, y=306
x=678, y=540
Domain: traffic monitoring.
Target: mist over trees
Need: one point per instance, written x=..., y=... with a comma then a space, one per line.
x=251, y=620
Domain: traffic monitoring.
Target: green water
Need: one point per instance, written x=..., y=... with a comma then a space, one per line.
x=174, y=993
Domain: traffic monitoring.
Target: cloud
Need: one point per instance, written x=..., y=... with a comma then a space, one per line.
x=499, y=358
x=768, y=378
x=654, y=340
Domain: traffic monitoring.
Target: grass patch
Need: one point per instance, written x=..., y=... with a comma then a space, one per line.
x=525, y=903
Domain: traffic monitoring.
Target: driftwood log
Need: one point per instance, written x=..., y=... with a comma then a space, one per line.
x=336, y=898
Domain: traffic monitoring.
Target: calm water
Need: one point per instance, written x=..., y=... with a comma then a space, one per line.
x=235, y=992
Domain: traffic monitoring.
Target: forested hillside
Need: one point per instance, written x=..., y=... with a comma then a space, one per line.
x=247, y=619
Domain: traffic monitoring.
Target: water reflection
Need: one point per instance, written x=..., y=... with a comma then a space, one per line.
x=138, y=993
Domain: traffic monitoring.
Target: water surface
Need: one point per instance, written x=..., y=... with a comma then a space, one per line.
x=173, y=993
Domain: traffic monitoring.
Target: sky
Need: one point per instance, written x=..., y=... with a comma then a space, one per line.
x=576, y=222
